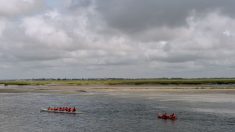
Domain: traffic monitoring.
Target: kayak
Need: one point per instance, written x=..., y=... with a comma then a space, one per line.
x=53, y=111
x=167, y=117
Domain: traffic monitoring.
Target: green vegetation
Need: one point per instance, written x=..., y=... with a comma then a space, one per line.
x=174, y=81
x=6, y=83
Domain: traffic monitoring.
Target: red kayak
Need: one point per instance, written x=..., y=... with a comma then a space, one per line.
x=167, y=117
x=54, y=111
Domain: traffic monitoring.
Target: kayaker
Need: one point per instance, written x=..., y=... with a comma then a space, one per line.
x=173, y=116
x=56, y=109
x=74, y=109
x=69, y=110
x=165, y=116
x=49, y=108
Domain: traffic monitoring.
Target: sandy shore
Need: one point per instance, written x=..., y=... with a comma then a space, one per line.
x=157, y=89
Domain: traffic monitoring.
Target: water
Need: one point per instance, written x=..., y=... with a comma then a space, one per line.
x=115, y=113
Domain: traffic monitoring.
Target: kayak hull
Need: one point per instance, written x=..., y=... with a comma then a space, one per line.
x=52, y=111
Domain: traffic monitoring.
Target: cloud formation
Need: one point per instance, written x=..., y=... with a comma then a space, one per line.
x=126, y=38
x=138, y=15
x=17, y=7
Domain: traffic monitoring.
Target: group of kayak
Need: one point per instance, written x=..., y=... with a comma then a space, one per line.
x=62, y=109
x=166, y=116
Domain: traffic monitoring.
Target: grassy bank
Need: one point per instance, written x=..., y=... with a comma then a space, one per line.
x=123, y=82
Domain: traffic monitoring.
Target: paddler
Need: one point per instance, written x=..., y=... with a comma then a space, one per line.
x=70, y=109
x=173, y=115
x=66, y=108
x=164, y=116
x=74, y=109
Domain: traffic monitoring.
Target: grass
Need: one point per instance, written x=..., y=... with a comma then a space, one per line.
x=6, y=83
x=205, y=81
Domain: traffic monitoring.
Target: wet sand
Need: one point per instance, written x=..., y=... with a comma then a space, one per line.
x=156, y=89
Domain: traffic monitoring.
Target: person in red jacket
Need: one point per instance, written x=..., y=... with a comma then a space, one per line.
x=70, y=109
x=74, y=109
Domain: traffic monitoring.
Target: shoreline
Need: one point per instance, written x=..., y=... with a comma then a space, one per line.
x=145, y=89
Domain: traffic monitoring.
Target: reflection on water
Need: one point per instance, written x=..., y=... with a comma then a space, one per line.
x=106, y=113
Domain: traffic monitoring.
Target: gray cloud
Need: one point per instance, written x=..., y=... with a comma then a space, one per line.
x=138, y=15
x=80, y=3
x=119, y=39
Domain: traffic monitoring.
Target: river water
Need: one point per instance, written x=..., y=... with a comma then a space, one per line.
x=20, y=112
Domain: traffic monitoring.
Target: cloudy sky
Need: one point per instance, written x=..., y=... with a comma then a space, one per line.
x=116, y=38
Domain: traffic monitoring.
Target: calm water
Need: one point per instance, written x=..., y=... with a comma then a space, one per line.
x=114, y=113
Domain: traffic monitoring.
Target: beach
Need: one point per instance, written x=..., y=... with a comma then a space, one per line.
x=145, y=89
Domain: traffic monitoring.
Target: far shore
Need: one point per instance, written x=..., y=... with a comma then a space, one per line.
x=130, y=89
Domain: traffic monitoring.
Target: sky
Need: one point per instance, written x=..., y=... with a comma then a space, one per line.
x=117, y=38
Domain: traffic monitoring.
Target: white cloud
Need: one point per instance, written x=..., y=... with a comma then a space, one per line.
x=201, y=42
x=46, y=31
x=15, y=7
x=77, y=40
